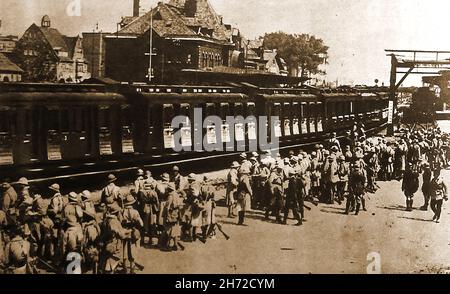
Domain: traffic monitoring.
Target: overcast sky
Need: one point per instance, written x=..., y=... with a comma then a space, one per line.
x=357, y=31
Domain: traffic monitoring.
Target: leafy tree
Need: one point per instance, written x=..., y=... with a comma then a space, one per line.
x=302, y=52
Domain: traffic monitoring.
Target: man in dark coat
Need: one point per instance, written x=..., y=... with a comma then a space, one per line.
x=294, y=198
x=410, y=186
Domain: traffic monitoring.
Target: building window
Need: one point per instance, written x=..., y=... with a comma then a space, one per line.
x=80, y=67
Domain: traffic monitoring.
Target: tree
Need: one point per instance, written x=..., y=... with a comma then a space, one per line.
x=304, y=53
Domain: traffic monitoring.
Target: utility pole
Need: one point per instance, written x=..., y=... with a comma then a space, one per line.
x=150, y=54
x=392, y=93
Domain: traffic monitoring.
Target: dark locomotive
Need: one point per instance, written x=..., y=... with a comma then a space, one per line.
x=65, y=130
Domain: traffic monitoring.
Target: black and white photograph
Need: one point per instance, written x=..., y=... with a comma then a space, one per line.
x=224, y=137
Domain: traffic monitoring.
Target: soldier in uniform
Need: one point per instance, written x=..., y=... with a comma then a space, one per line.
x=316, y=176
x=91, y=239
x=132, y=221
x=178, y=179
x=111, y=193
x=244, y=193
x=86, y=202
x=9, y=201
x=23, y=191
x=244, y=163
x=149, y=209
x=426, y=185
x=73, y=210
x=113, y=235
x=172, y=218
x=343, y=173
x=356, y=183
x=161, y=191
x=232, y=184
x=334, y=142
x=438, y=193
x=57, y=201
x=294, y=199
x=275, y=203
x=72, y=240
x=207, y=197
x=410, y=186
x=331, y=178
x=17, y=253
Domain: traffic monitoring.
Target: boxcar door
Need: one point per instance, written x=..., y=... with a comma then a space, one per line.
x=7, y=131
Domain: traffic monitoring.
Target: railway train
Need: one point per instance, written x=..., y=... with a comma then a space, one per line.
x=65, y=130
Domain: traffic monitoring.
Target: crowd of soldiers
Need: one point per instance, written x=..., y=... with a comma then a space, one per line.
x=44, y=231
x=345, y=169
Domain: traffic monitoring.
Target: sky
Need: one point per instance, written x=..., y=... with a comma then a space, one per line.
x=357, y=31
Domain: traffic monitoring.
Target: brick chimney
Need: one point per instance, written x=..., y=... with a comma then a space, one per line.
x=136, y=8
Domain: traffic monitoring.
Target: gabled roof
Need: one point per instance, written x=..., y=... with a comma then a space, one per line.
x=55, y=38
x=170, y=20
x=71, y=43
x=7, y=65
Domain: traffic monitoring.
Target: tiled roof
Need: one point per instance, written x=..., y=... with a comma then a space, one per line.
x=170, y=20
x=7, y=65
x=55, y=38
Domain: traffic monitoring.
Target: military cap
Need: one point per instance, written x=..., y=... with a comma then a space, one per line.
x=253, y=159
x=112, y=178
x=129, y=200
x=23, y=182
x=171, y=187
x=243, y=156
x=55, y=187
x=73, y=197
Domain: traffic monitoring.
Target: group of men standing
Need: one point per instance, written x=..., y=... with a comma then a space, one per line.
x=347, y=168
x=51, y=230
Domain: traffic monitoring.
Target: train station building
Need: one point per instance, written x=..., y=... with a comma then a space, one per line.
x=186, y=34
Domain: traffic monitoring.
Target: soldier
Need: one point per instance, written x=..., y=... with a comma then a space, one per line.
x=275, y=182
x=133, y=222
x=72, y=240
x=178, y=179
x=410, y=186
x=334, y=142
x=331, y=178
x=189, y=195
x=113, y=235
x=161, y=191
x=57, y=201
x=244, y=193
x=316, y=176
x=356, y=183
x=73, y=211
x=17, y=253
x=426, y=186
x=348, y=154
x=232, y=184
x=47, y=234
x=23, y=192
x=343, y=173
x=372, y=171
x=401, y=158
x=91, y=239
x=9, y=201
x=244, y=163
x=255, y=173
x=111, y=193
x=172, y=218
x=198, y=206
x=207, y=197
x=439, y=193
x=86, y=202
x=294, y=199
x=139, y=182
x=149, y=207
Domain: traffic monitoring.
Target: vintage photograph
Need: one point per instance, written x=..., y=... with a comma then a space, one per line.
x=224, y=137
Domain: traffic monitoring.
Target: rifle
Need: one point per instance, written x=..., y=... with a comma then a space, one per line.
x=307, y=207
x=50, y=267
x=212, y=227
x=181, y=246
